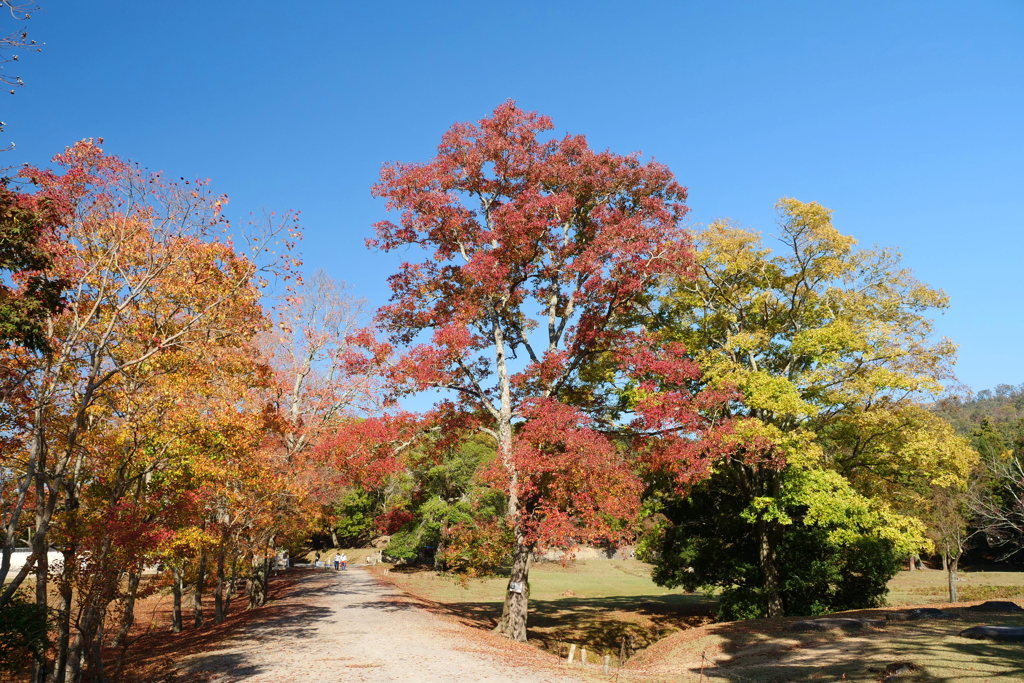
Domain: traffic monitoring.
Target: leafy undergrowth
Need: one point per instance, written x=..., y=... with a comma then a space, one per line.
x=606, y=606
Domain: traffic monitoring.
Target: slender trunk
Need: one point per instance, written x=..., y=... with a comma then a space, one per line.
x=945, y=562
x=232, y=584
x=334, y=539
x=128, y=617
x=219, y=612
x=268, y=565
x=16, y=507
x=66, y=589
x=176, y=607
x=197, y=595
x=954, y=560
x=766, y=547
x=40, y=548
x=769, y=532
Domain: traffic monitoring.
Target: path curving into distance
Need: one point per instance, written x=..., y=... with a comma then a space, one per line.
x=347, y=626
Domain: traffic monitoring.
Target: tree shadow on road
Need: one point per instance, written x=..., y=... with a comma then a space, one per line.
x=157, y=655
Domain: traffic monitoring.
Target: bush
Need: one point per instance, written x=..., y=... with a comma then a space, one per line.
x=835, y=549
x=24, y=634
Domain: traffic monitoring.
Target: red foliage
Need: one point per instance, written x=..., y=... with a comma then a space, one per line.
x=537, y=251
x=392, y=520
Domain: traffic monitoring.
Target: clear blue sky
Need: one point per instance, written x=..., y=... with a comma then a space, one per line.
x=906, y=118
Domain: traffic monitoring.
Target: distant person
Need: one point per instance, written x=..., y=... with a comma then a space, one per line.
x=337, y=561
x=344, y=561
x=316, y=559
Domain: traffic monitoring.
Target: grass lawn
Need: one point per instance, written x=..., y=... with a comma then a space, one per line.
x=929, y=586
x=597, y=604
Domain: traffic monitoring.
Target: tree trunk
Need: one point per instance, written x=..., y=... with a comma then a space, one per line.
x=232, y=586
x=766, y=548
x=197, y=595
x=219, y=612
x=945, y=562
x=128, y=617
x=954, y=560
x=66, y=590
x=176, y=607
x=257, y=585
x=92, y=647
x=334, y=539
x=517, y=596
x=40, y=548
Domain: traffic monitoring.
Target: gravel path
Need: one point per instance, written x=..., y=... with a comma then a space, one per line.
x=346, y=626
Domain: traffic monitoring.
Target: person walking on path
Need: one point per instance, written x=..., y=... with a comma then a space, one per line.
x=337, y=561
x=344, y=562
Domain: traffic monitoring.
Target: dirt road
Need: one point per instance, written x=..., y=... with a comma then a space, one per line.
x=346, y=626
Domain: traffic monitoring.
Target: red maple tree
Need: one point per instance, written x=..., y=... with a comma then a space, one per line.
x=537, y=251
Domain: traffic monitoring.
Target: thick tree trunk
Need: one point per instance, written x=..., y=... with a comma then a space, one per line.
x=517, y=596
x=258, y=585
x=88, y=647
x=951, y=575
x=197, y=595
x=89, y=622
x=176, y=606
x=334, y=539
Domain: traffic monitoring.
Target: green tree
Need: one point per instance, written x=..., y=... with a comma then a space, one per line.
x=821, y=341
x=837, y=549
x=353, y=518
x=447, y=493
x=27, y=295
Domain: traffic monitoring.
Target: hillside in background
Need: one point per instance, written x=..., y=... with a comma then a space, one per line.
x=993, y=419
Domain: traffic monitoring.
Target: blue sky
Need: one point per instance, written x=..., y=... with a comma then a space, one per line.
x=906, y=118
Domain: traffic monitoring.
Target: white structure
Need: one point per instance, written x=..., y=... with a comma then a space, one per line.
x=20, y=555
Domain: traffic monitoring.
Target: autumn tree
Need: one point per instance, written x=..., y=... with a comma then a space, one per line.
x=829, y=347
x=533, y=252
x=152, y=272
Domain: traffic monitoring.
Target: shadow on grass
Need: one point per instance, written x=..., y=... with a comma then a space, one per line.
x=924, y=651
x=602, y=625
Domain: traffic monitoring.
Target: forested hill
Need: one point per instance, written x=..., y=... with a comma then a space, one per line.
x=993, y=418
